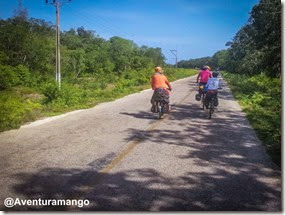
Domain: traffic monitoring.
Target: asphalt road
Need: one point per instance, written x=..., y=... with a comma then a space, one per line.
x=120, y=158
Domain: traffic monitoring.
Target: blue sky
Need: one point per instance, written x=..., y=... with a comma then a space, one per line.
x=196, y=28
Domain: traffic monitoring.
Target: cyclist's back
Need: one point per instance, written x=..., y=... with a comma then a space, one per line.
x=213, y=85
x=160, y=81
x=160, y=85
x=204, y=75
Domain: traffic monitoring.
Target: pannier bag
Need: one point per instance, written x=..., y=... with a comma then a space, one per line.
x=159, y=95
x=198, y=97
x=166, y=108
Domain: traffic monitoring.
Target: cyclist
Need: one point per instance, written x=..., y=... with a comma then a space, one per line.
x=213, y=85
x=204, y=76
x=160, y=85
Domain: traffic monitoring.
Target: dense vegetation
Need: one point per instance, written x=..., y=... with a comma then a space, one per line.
x=253, y=65
x=93, y=69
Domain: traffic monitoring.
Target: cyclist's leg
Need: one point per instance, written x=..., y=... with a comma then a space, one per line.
x=207, y=99
x=201, y=84
x=216, y=100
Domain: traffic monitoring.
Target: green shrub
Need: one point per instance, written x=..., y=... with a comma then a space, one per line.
x=69, y=96
x=50, y=91
x=14, y=110
x=23, y=74
x=8, y=77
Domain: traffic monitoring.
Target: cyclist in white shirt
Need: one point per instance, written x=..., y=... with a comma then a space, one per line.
x=213, y=85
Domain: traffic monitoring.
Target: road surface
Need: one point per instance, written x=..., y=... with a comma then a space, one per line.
x=120, y=158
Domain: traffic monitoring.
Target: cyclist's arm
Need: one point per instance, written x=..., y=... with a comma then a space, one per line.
x=152, y=83
x=198, y=77
x=167, y=83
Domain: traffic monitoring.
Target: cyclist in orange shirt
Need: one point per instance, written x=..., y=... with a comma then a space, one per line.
x=160, y=85
x=159, y=80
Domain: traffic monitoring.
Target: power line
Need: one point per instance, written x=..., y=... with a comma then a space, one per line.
x=99, y=25
x=115, y=30
x=112, y=25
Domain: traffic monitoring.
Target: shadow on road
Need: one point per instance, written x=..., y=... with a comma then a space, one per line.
x=140, y=115
x=216, y=191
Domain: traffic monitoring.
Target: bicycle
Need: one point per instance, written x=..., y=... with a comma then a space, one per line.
x=202, y=93
x=160, y=107
x=211, y=106
x=212, y=103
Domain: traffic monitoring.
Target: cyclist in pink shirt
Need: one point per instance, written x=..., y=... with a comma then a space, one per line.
x=204, y=75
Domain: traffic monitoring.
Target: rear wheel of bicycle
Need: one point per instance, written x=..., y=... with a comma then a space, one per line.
x=160, y=110
x=203, y=101
x=211, y=108
x=160, y=115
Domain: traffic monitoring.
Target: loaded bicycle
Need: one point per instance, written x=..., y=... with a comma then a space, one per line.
x=201, y=95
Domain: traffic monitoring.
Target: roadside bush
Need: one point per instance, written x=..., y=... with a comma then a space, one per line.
x=123, y=85
x=8, y=77
x=23, y=74
x=69, y=96
x=50, y=91
x=14, y=110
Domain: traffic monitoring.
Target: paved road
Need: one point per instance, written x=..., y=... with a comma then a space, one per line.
x=119, y=157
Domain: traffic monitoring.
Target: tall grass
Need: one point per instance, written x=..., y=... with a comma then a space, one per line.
x=260, y=98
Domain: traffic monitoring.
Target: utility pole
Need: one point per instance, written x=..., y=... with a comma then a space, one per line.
x=174, y=52
x=57, y=4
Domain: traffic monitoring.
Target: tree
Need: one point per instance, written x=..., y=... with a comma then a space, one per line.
x=256, y=48
x=121, y=52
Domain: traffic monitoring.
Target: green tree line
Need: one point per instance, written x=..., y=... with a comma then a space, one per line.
x=27, y=54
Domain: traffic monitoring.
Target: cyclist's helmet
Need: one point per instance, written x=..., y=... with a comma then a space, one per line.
x=206, y=67
x=158, y=69
x=215, y=74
